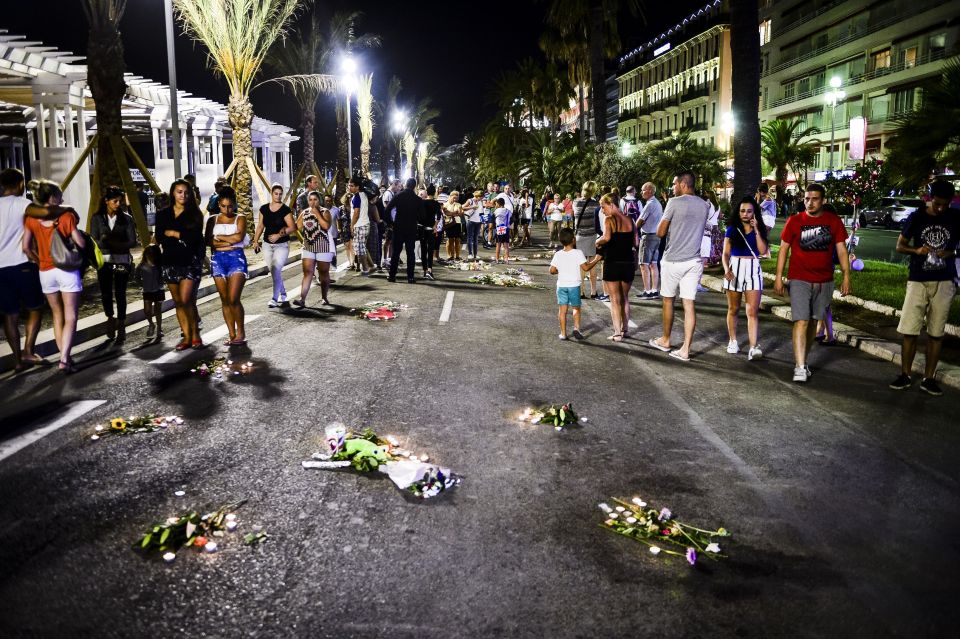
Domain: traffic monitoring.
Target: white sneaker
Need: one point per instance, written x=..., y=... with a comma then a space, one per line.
x=272, y=304
x=562, y=336
x=755, y=353
x=809, y=372
x=733, y=347
x=800, y=374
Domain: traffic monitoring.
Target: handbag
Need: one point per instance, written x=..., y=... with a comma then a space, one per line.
x=64, y=252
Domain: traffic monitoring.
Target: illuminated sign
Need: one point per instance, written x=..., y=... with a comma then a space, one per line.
x=662, y=49
x=858, y=138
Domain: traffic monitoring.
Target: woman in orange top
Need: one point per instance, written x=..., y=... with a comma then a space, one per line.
x=62, y=288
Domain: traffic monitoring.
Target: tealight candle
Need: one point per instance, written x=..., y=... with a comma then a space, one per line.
x=98, y=428
x=230, y=516
x=95, y=437
x=169, y=556
x=180, y=493
x=210, y=546
x=424, y=458
x=231, y=525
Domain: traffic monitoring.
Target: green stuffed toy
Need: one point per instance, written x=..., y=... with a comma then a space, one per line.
x=364, y=454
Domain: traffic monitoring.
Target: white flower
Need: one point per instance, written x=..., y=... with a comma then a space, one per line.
x=558, y=428
x=620, y=509
x=712, y=548
x=639, y=502
x=655, y=550
x=614, y=515
x=605, y=508
x=631, y=520
x=584, y=420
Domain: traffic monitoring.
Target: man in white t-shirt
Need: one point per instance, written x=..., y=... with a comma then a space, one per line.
x=360, y=224
x=19, y=277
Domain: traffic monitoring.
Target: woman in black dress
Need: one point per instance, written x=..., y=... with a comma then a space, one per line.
x=179, y=233
x=618, y=243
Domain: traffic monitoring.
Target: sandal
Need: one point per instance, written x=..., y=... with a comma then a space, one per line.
x=240, y=341
x=196, y=344
x=182, y=346
x=66, y=367
x=228, y=342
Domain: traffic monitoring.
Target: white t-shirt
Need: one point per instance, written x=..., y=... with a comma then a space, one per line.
x=556, y=212
x=509, y=198
x=528, y=209
x=568, y=267
x=475, y=212
x=13, y=208
x=360, y=201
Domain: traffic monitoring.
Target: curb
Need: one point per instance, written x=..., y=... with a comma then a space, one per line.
x=947, y=374
x=93, y=327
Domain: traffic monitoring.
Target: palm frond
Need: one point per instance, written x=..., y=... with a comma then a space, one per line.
x=306, y=84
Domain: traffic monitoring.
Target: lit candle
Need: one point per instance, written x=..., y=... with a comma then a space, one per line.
x=424, y=458
x=231, y=516
x=180, y=493
x=231, y=526
x=98, y=428
x=393, y=440
x=95, y=437
x=210, y=546
x=169, y=556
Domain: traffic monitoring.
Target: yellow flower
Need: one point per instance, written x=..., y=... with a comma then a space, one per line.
x=118, y=423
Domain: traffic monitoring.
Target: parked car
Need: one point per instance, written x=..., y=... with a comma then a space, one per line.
x=891, y=213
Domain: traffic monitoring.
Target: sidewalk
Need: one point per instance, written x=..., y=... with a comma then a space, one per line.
x=877, y=340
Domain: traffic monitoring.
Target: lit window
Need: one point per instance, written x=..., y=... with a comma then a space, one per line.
x=766, y=31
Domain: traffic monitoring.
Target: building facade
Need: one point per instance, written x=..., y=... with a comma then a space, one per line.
x=877, y=53
x=678, y=80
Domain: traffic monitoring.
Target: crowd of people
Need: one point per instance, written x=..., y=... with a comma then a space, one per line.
x=601, y=241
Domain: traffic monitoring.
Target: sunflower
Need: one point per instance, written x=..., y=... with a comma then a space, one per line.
x=118, y=423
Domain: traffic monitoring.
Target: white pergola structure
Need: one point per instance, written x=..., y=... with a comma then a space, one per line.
x=47, y=119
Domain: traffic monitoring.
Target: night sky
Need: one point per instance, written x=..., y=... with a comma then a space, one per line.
x=439, y=49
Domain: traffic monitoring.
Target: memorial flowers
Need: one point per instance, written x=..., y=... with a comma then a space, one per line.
x=659, y=530
x=557, y=416
x=133, y=425
x=379, y=310
x=220, y=368
x=189, y=530
x=502, y=279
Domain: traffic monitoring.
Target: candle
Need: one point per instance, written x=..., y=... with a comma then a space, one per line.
x=210, y=546
x=169, y=556
x=231, y=525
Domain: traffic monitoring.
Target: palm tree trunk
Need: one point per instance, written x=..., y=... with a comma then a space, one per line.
x=745, y=53
x=598, y=94
x=342, y=152
x=583, y=115
x=105, y=77
x=308, y=119
x=240, y=117
x=396, y=158
x=365, y=156
x=384, y=161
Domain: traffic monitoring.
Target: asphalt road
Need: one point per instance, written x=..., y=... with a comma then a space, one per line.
x=842, y=496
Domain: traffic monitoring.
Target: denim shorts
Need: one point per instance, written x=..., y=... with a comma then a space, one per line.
x=227, y=263
x=568, y=295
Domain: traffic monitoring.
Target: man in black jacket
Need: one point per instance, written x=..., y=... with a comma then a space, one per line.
x=405, y=210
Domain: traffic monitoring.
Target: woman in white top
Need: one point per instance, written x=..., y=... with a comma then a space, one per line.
x=526, y=203
x=318, y=249
x=473, y=209
x=226, y=236
x=554, y=219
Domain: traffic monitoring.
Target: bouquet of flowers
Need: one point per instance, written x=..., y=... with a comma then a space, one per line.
x=502, y=279
x=379, y=310
x=658, y=528
x=553, y=415
x=479, y=265
x=136, y=424
x=191, y=529
x=218, y=368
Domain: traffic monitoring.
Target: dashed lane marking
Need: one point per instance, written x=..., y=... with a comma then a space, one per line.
x=75, y=410
x=447, y=307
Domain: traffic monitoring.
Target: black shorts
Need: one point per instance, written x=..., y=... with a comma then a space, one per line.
x=20, y=286
x=154, y=296
x=525, y=222
x=503, y=239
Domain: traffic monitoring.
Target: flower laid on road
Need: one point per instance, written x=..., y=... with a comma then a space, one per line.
x=219, y=369
x=365, y=451
x=479, y=265
x=379, y=310
x=189, y=530
x=656, y=528
x=136, y=424
x=254, y=538
x=553, y=415
x=542, y=256
x=502, y=279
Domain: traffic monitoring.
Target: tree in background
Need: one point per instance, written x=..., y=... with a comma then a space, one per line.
x=783, y=149
x=927, y=139
x=238, y=34
x=678, y=153
x=365, y=120
x=745, y=54
x=389, y=148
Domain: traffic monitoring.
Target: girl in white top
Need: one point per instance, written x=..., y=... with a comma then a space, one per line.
x=318, y=249
x=227, y=237
x=554, y=218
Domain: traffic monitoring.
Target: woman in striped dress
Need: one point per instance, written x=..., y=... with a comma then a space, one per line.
x=744, y=243
x=318, y=249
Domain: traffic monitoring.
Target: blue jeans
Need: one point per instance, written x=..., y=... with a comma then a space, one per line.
x=473, y=235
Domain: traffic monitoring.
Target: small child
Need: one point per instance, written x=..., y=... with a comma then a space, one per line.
x=153, y=292
x=502, y=220
x=569, y=264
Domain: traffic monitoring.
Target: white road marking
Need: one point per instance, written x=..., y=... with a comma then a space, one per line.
x=630, y=323
x=75, y=410
x=210, y=337
x=447, y=307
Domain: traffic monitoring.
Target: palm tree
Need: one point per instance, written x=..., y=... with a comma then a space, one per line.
x=575, y=53
x=745, y=53
x=389, y=149
x=298, y=60
x=238, y=34
x=365, y=120
x=679, y=153
x=783, y=149
x=105, y=70
x=421, y=131
x=927, y=139
x=593, y=22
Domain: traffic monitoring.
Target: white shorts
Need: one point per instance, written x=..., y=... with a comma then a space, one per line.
x=682, y=277
x=319, y=257
x=57, y=279
x=706, y=246
x=747, y=275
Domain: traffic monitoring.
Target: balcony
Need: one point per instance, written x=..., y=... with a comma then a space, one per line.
x=799, y=20
x=629, y=115
x=693, y=127
x=692, y=93
x=927, y=58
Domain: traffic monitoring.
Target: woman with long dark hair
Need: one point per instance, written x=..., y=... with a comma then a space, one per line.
x=226, y=237
x=745, y=241
x=179, y=232
x=115, y=233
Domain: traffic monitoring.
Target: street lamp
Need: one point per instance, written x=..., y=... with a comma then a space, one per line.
x=833, y=97
x=172, y=71
x=349, y=68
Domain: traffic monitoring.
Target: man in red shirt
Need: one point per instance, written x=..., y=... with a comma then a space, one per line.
x=809, y=239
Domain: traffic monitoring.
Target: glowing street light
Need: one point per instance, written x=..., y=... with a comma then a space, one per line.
x=399, y=121
x=349, y=68
x=625, y=150
x=833, y=97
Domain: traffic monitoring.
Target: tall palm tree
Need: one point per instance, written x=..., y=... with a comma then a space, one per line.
x=927, y=139
x=365, y=120
x=298, y=60
x=783, y=149
x=238, y=34
x=575, y=53
x=105, y=68
x=745, y=53
x=421, y=130
x=678, y=153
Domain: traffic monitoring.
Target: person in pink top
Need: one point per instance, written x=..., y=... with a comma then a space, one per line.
x=61, y=286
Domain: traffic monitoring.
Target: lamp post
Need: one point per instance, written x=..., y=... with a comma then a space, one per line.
x=400, y=127
x=349, y=66
x=832, y=98
x=172, y=71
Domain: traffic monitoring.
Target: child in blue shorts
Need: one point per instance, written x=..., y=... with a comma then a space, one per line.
x=569, y=264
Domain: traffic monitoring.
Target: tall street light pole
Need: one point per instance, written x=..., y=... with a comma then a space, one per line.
x=172, y=71
x=832, y=98
x=349, y=67
x=400, y=127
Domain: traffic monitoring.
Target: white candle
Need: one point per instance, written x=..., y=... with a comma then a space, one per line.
x=169, y=556
x=210, y=546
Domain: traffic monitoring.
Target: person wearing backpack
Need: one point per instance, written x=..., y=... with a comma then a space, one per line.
x=56, y=245
x=629, y=204
x=115, y=233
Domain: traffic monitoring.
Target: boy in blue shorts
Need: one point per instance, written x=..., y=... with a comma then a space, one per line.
x=569, y=264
